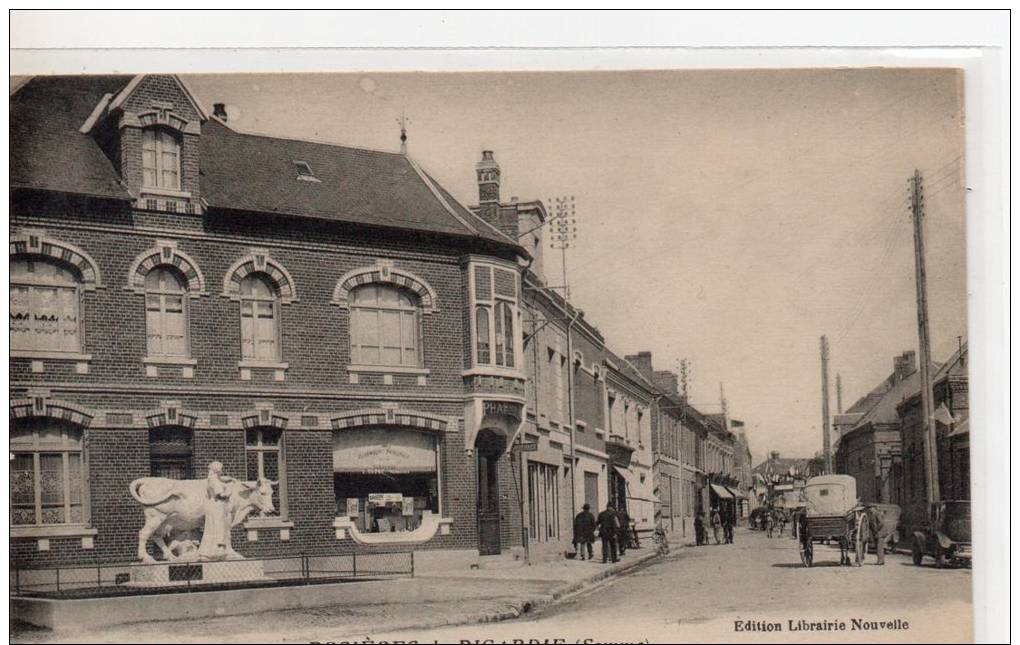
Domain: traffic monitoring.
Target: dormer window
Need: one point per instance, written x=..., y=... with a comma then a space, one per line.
x=161, y=159
x=304, y=171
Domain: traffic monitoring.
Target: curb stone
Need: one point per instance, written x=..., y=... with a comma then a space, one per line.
x=516, y=610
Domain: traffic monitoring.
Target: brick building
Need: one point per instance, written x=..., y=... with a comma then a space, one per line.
x=952, y=428
x=322, y=316
x=629, y=399
x=869, y=447
x=678, y=452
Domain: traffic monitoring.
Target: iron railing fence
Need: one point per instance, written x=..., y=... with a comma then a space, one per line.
x=113, y=579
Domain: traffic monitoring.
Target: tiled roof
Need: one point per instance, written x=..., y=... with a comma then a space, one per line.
x=239, y=171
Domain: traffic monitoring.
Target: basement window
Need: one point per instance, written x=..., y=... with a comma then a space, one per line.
x=304, y=171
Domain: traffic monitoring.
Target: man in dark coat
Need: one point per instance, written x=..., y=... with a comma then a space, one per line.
x=623, y=538
x=609, y=529
x=584, y=532
x=699, y=529
x=728, y=521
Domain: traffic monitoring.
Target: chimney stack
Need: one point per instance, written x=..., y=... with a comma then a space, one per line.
x=642, y=362
x=489, y=209
x=219, y=110
x=905, y=364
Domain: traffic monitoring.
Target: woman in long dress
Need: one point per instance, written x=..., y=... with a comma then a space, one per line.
x=216, y=531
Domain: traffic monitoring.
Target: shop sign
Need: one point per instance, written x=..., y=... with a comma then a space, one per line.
x=502, y=409
x=378, y=451
x=531, y=446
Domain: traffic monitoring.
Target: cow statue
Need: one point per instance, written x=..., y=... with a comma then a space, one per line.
x=880, y=526
x=178, y=509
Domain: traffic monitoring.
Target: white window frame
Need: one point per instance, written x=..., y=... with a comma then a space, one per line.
x=163, y=294
x=66, y=449
x=277, y=323
x=159, y=150
x=35, y=283
x=414, y=309
x=260, y=448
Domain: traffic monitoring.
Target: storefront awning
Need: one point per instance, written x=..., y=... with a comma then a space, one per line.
x=383, y=451
x=736, y=493
x=722, y=491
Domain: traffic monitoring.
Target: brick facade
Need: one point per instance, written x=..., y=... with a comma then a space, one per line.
x=311, y=387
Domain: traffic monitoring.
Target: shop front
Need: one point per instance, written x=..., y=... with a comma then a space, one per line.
x=387, y=481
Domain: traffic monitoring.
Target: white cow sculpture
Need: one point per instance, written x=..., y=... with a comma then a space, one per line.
x=176, y=509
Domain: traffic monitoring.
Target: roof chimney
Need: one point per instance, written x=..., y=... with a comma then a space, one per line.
x=642, y=362
x=905, y=364
x=219, y=110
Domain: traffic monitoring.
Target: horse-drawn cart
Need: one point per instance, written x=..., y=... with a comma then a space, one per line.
x=832, y=513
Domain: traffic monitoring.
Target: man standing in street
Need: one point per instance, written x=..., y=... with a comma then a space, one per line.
x=699, y=529
x=584, y=532
x=623, y=538
x=716, y=523
x=728, y=527
x=609, y=529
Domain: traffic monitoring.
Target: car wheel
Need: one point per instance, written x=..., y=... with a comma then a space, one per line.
x=917, y=553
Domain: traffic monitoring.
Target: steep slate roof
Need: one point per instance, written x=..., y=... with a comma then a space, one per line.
x=239, y=171
x=47, y=150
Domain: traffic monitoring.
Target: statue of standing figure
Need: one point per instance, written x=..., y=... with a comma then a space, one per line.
x=215, y=543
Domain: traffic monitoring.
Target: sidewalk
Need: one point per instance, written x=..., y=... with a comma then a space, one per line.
x=428, y=601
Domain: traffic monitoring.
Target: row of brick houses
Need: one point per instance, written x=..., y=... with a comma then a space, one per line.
x=326, y=317
x=881, y=438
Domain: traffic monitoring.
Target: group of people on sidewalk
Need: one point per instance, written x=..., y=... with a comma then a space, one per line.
x=717, y=521
x=612, y=526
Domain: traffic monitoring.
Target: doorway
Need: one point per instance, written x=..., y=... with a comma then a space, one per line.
x=489, y=447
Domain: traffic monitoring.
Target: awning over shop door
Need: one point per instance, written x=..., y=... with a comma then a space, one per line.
x=722, y=491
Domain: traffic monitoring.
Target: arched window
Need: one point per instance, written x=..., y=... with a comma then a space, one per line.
x=46, y=474
x=166, y=315
x=260, y=315
x=504, y=320
x=483, y=348
x=161, y=159
x=45, y=306
x=385, y=327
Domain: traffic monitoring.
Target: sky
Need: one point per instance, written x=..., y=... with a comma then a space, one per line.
x=729, y=217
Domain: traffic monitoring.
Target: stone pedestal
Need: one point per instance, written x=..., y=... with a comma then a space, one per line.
x=197, y=573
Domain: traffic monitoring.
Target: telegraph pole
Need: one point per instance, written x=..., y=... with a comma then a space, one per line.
x=685, y=380
x=839, y=394
x=825, y=405
x=564, y=233
x=924, y=340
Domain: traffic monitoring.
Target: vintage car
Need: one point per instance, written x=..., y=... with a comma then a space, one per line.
x=947, y=536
